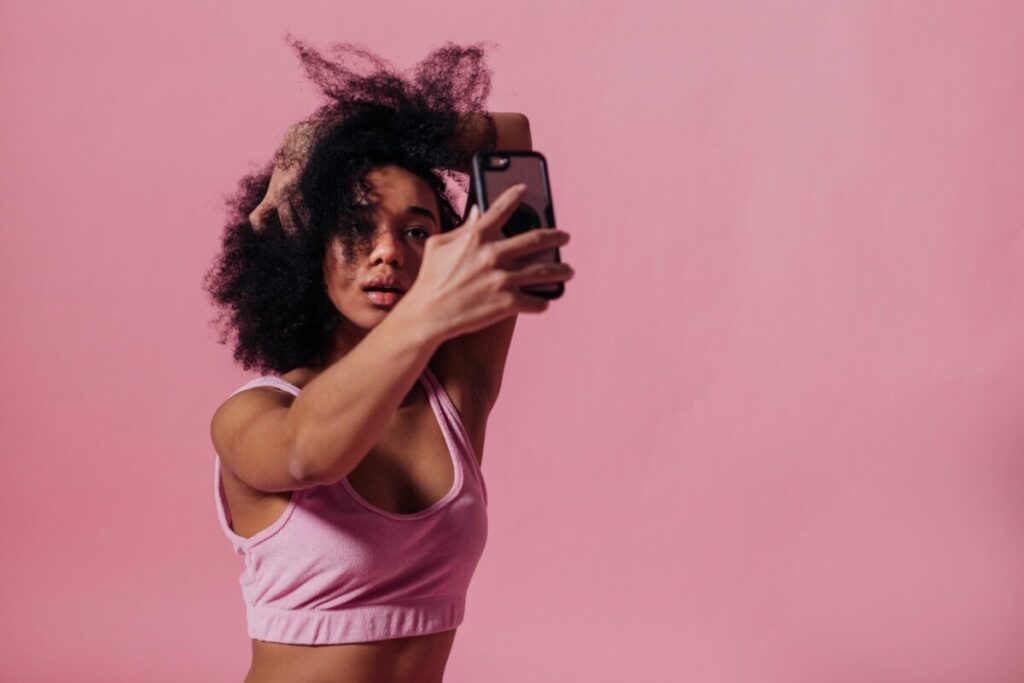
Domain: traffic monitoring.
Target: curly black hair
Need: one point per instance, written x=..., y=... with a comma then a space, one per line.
x=269, y=283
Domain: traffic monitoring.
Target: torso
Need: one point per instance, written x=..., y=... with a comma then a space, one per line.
x=406, y=471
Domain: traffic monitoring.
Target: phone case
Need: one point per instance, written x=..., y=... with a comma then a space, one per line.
x=496, y=171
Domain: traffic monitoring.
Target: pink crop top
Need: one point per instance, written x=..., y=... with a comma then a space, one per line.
x=336, y=569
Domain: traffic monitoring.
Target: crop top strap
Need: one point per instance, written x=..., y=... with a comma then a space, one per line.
x=466, y=450
x=268, y=381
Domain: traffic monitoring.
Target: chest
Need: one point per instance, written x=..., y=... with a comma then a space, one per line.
x=409, y=468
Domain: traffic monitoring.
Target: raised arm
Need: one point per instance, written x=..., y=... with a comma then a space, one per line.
x=477, y=360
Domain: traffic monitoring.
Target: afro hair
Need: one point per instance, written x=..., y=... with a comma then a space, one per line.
x=268, y=283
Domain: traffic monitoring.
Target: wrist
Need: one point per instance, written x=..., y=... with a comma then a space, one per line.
x=417, y=316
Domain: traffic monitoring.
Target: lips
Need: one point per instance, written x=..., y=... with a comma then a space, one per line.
x=382, y=281
x=384, y=289
x=384, y=297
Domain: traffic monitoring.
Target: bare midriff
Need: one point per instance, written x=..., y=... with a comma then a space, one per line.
x=417, y=659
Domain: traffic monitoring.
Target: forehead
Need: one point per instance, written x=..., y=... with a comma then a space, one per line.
x=393, y=188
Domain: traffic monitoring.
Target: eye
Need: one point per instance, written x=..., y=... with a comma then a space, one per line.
x=426, y=233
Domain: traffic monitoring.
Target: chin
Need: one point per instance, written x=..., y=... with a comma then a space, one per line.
x=370, y=320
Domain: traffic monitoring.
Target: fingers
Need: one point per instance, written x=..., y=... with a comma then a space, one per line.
x=286, y=215
x=534, y=274
x=539, y=274
x=258, y=214
x=297, y=143
x=289, y=159
x=529, y=242
x=527, y=303
x=492, y=220
x=276, y=198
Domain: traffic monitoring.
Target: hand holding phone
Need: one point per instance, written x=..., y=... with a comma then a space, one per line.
x=495, y=172
x=473, y=276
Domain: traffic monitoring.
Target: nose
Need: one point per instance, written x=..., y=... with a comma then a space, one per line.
x=386, y=249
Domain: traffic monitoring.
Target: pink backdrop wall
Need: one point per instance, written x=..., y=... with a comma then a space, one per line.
x=773, y=432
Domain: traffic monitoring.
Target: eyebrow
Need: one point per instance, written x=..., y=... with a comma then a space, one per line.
x=412, y=210
x=420, y=211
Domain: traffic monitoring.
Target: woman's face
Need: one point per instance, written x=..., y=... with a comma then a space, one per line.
x=404, y=213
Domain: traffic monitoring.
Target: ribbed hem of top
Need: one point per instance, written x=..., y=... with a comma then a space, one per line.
x=355, y=624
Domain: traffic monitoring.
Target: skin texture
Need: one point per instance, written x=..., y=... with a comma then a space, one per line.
x=421, y=659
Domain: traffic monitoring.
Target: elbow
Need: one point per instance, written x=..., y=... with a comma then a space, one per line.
x=300, y=471
x=519, y=122
x=313, y=465
x=521, y=130
x=304, y=465
x=513, y=131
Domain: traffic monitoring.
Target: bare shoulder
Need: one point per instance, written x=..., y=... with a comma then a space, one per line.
x=238, y=413
x=238, y=409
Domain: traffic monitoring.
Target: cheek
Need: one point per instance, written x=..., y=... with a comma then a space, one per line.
x=415, y=262
x=338, y=270
x=339, y=281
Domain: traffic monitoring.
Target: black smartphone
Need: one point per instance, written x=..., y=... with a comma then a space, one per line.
x=496, y=171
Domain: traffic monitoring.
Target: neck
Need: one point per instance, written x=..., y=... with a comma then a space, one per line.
x=346, y=337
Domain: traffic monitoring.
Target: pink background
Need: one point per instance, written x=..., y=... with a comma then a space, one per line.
x=773, y=432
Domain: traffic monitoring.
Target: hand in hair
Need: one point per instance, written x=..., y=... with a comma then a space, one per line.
x=288, y=163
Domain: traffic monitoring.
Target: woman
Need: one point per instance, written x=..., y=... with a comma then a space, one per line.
x=351, y=483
